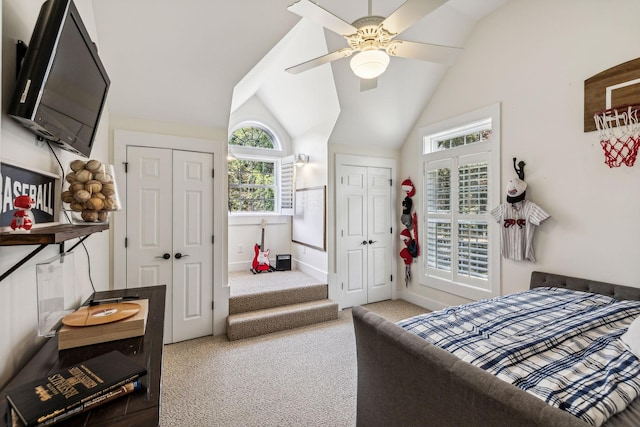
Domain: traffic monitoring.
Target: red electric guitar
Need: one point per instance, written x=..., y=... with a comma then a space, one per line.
x=261, y=259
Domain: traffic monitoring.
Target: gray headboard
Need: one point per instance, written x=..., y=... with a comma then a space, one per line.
x=619, y=292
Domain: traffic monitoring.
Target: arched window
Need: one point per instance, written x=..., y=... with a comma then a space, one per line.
x=254, y=137
x=255, y=175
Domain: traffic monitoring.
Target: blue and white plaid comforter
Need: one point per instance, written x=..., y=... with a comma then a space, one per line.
x=560, y=345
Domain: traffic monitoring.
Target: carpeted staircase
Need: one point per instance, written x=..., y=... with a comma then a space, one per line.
x=262, y=313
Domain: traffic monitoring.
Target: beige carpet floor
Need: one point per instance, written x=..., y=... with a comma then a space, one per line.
x=245, y=282
x=300, y=377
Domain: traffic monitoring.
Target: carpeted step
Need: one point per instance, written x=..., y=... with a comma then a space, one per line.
x=277, y=298
x=266, y=321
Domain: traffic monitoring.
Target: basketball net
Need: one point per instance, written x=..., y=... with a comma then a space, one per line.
x=619, y=130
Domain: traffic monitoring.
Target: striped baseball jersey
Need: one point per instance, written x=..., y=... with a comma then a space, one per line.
x=518, y=224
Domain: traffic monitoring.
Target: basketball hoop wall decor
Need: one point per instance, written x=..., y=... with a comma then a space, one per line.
x=619, y=132
x=612, y=107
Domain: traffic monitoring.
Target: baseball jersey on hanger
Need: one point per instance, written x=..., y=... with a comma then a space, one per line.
x=518, y=221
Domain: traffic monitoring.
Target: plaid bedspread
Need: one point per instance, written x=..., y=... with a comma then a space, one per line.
x=560, y=345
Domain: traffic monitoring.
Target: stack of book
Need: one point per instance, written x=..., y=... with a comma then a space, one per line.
x=74, y=390
x=133, y=326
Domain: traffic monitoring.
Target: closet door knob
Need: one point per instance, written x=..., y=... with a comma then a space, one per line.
x=364, y=242
x=165, y=256
x=371, y=242
x=179, y=255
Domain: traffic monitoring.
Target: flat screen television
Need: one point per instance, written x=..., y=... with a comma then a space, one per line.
x=62, y=85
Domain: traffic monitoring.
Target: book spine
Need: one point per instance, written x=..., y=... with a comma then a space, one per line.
x=120, y=391
x=13, y=420
x=74, y=407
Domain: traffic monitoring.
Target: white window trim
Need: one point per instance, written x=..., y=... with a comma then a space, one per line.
x=275, y=154
x=277, y=162
x=470, y=289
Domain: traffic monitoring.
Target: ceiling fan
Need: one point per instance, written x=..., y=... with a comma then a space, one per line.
x=371, y=39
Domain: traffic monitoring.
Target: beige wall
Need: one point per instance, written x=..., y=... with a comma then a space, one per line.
x=533, y=58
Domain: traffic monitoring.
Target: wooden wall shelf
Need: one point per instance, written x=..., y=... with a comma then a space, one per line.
x=43, y=236
x=49, y=235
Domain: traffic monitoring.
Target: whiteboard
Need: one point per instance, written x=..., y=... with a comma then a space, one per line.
x=308, y=225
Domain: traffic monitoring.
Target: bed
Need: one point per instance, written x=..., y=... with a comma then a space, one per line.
x=404, y=380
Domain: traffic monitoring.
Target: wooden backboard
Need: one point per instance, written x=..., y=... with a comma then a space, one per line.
x=617, y=86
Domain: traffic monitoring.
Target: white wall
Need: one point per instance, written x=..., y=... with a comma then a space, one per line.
x=533, y=58
x=314, y=174
x=18, y=311
x=246, y=232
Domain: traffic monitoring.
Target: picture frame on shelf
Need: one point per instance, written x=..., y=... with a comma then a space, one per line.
x=42, y=186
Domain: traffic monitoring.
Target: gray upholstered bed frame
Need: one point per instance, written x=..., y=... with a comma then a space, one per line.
x=405, y=381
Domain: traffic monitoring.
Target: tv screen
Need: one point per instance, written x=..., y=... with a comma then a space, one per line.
x=62, y=85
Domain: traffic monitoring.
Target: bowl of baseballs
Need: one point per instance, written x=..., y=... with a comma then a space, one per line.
x=90, y=193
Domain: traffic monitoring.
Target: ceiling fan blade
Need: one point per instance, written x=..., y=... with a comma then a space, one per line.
x=368, y=84
x=409, y=13
x=338, y=54
x=424, y=51
x=306, y=9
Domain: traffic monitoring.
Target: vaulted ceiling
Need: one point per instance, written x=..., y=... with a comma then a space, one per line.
x=196, y=63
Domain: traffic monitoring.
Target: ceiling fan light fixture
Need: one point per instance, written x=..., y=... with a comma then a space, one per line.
x=369, y=64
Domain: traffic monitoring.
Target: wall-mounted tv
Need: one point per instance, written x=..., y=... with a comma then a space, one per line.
x=62, y=85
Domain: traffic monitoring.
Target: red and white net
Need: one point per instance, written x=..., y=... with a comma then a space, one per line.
x=619, y=131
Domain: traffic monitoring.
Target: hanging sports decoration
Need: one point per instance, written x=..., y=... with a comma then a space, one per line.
x=519, y=218
x=409, y=235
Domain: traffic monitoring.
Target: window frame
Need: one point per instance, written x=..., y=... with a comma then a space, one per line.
x=276, y=185
x=465, y=286
x=275, y=155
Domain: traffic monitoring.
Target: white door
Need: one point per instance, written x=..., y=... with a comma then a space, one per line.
x=170, y=232
x=365, y=248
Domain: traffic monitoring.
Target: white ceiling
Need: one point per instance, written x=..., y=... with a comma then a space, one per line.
x=180, y=60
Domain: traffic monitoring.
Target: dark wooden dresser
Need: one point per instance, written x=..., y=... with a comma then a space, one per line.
x=141, y=408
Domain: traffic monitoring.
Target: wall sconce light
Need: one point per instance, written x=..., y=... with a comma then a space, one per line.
x=301, y=159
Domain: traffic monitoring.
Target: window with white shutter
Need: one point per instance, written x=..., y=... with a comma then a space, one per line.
x=287, y=186
x=260, y=180
x=461, y=182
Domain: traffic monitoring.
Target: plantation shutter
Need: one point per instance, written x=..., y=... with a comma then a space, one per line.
x=438, y=203
x=473, y=216
x=461, y=185
x=457, y=223
x=287, y=186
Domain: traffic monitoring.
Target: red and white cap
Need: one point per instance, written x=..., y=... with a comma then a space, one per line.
x=405, y=235
x=408, y=187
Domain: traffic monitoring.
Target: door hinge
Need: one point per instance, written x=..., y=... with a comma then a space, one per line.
x=213, y=173
x=342, y=286
x=126, y=166
x=392, y=277
x=212, y=305
x=390, y=182
x=341, y=180
x=391, y=230
x=126, y=242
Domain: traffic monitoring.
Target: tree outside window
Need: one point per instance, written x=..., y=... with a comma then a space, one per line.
x=253, y=179
x=252, y=186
